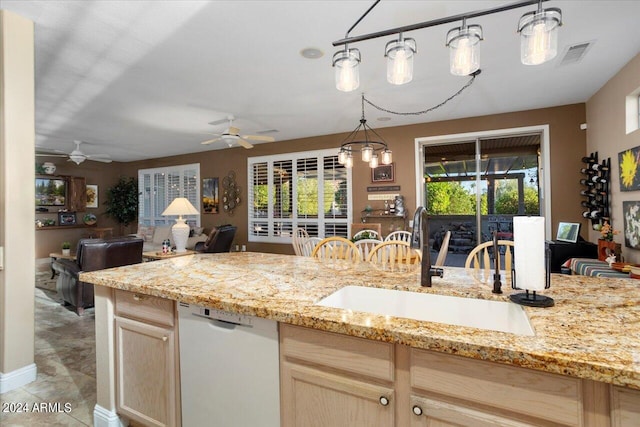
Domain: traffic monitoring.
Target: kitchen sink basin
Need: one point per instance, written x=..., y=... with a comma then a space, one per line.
x=476, y=313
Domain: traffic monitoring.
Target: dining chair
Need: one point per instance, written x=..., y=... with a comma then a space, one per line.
x=401, y=235
x=444, y=250
x=479, y=265
x=309, y=245
x=336, y=247
x=395, y=255
x=365, y=246
x=300, y=236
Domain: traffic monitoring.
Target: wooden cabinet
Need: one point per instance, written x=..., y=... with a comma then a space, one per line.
x=147, y=382
x=332, y=380
x=77, y=194
x=625, y=407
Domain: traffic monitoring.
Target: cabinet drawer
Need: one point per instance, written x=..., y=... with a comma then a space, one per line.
x=524, y=391
x=350, y=354
x=144, y=307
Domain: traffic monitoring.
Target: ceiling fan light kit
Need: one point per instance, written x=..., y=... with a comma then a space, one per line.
x=77, y=156
x=538, y=44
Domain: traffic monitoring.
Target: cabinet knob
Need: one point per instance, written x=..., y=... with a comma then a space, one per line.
x=384, y=401
x=417, y=410
x=165, y=338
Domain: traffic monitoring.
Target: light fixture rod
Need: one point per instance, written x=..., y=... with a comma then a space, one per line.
x=431, y=23
x=361, y=18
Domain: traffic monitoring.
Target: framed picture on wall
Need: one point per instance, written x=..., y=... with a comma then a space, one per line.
x=66, y=218
x=210, y=196
x=383, y=173
x=92, y=196
x=631, y=214
x=629, y=173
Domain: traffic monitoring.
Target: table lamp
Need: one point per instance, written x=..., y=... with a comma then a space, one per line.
x=180, y=230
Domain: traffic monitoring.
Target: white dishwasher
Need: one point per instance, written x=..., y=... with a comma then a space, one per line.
x=229, y=369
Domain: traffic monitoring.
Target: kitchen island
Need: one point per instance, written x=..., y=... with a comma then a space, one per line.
x=592, y=333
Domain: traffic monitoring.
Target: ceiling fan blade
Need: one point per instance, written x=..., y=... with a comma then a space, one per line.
x=50, y=155
x=233, y=130
x=219, y=122
x=99, y=159
x=209, y=141
x=259, y=138
x=245, y=144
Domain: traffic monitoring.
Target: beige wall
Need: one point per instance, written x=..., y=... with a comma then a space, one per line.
x=16, y=198
x=606, y=134
x=567, y=146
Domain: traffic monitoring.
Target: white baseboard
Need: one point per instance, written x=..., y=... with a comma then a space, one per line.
x=105, y=418
x=16, y=379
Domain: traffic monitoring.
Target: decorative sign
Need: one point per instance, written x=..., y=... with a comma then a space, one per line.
x=383, y=188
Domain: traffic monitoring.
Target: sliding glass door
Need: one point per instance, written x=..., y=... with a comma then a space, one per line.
x=474, y=188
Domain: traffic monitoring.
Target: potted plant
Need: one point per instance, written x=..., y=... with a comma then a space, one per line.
x=66, y=248
x=122, y=201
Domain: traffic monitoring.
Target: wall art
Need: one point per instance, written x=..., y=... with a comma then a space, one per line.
x=210, y=196
x=631, y=214
x=92, y=196
x=629, y=161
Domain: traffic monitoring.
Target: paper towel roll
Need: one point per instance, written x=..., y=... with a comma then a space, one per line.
x=528, y=252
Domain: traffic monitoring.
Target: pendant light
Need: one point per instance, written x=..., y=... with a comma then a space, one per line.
x=464, y=49
x=399, y=54
x=346, y=63
x=539, y=35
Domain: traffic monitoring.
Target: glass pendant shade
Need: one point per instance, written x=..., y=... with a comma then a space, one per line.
x=373, y=163
x=342, y=157
x=539, y=36
x=399, y=55
x=367, y=152
x=386, y=157
x=464, y=49
x=346, y=63
x=349, y=162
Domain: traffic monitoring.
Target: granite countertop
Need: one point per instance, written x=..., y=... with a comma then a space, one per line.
x=592, y=332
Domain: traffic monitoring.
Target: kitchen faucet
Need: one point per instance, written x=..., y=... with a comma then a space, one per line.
x=420, y=240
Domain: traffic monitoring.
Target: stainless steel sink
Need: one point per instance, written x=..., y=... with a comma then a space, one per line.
x=476, y=313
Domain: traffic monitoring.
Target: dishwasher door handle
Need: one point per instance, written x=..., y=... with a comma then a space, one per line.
x=223, y=324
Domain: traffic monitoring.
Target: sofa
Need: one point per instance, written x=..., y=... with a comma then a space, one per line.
x=153, y=236
x=91, y=255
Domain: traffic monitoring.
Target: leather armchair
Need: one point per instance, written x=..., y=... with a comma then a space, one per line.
x=91, y=255
x=219, y=240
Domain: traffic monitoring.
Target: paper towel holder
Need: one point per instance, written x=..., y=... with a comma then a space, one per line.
x=530, y=298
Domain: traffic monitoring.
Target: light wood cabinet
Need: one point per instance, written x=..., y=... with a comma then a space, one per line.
x=147, y=382
x=331, y=380
x=625, y=407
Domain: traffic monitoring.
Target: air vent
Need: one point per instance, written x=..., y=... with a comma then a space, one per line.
x=575, y=53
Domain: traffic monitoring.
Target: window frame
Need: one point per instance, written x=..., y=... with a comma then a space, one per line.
x=321, y=221
x=156, y=208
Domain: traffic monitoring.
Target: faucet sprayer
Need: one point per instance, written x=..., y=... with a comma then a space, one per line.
x=420, y=240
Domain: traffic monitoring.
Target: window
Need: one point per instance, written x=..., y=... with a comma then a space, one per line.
x=310, y=190
x=158, y=187
x=632, y=111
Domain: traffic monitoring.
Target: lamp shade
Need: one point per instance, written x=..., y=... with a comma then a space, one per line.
x=464, y=48
x=347, y=75
x=180, y=206
x=539, y=36
x=399, y=55
x=180, y=231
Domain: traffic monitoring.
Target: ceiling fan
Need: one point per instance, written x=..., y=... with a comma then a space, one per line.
x=77, y=156
x=232, y=136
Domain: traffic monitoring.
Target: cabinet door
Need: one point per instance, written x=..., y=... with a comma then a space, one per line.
x=625, y=407
x=145, y=372
x=314, y=398
x=77, y=194
x=433, y=413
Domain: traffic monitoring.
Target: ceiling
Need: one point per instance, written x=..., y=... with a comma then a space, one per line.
x=142, y=79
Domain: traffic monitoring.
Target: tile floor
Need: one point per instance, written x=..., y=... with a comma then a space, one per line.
x=65, y=357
